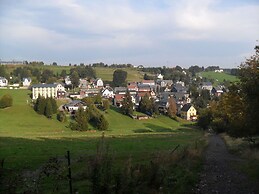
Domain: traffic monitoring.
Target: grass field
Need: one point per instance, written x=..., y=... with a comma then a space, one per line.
x=218, y=77
x=28, y=140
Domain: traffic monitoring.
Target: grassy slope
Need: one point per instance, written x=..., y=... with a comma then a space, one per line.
x=29, y=139
x=218, y=76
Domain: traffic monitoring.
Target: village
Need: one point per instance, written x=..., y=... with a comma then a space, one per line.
x=159, y=90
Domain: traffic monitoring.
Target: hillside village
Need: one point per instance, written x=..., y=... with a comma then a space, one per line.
x=157, y=88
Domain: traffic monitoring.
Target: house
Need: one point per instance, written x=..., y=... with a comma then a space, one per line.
x=148, y=82
x=132, y=87
x=74, y=105
x=118, y=98
x=107, y=92
x=26, y=82
x=144, y=88
x=48, y=90
x=188, y=112
x=89, y=92
x=3, y=82
x=120, y=90
x=179, y=88
x=160, y=76
x=83, y=83
x=206, y=86
x=219, y=70
x=68, y=81
x=165, y=83
x=218, y=90
x=98, y=83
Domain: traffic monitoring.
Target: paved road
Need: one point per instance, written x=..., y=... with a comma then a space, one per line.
x=219, y=176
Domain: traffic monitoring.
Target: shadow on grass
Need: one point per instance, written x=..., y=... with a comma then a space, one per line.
x=142, y=130
x=157, y=128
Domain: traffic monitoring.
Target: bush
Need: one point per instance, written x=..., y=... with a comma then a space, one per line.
x=6, y=101
x=61, y=116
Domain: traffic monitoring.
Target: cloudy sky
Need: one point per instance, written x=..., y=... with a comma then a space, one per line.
x=147, y=32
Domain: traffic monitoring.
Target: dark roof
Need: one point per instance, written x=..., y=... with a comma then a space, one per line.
x=45, y=85
x=75, y=102
x=186, y=107
x=207, y=84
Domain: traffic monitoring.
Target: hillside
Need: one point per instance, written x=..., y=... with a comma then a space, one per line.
x=218, y=77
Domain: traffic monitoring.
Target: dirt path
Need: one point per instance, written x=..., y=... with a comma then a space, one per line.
x=219, y=176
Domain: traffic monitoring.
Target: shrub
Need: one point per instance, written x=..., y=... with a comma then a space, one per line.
x=61, y=116
x=6, y=101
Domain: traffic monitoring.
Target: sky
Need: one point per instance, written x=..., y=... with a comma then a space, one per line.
x=140, y=32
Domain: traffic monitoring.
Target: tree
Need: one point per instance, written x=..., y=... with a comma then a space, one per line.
x=41, y=104
x=205, y=118
x=106, y=104
x=127, y=105
x=46, y=74
x=61, y=116
x=80, y=122
x=63, y=73
x=6, y=101
x=249, y=84
x=74, y=79
x=48, y=108
x=54, y=64
x=145, y=104
x=102, y=123
x=172, y=109
x=54, y=105
x=119, y=77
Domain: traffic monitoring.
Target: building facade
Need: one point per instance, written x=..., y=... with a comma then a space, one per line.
x=48, y=90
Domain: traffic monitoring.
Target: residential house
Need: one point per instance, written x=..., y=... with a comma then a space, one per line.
x=160, y=77
x=179, y=88
x=206, y=86
x=26, y=82
x=107, y=92
x=120, y=90
x=55, y=90
x=148, y=82
x=165, y=83
x=68, y=81
x=74, y=105
x=218, y=90
x=118, y=98
x=188, y=112
x=89, y=92
x=98, y=83
x=84, y=84
x=3, y=82
x=132, y=87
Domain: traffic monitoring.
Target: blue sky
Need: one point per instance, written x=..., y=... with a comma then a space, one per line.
x=147, y=32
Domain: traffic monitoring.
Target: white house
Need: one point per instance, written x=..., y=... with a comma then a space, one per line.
x=48, y=90
x=68, y=81
x=26, y=81
x=98, y=83
x=74, y=106
x=160, y=76
x=3, y=82
x=107, y=93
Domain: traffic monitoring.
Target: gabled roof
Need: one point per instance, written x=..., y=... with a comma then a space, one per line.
x=119, y=97
x=26, y=78
x=206, y=84
x=75, y=103
x=186, y=107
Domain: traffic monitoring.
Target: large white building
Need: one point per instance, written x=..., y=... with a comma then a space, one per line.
x=3, y=82
x=48, y=90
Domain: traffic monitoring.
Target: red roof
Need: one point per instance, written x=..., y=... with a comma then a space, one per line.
x=119, y=97
x=142, y=94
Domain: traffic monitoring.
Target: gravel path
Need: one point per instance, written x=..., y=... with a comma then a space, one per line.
x=218, y=175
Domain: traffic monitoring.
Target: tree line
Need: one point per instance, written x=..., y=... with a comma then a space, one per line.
x=237, y=111
x=46, y=106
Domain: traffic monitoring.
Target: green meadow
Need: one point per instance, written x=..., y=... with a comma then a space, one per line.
x=218, y=77
x=28, y=140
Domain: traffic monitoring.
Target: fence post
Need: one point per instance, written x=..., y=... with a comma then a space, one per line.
x=69, y=172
